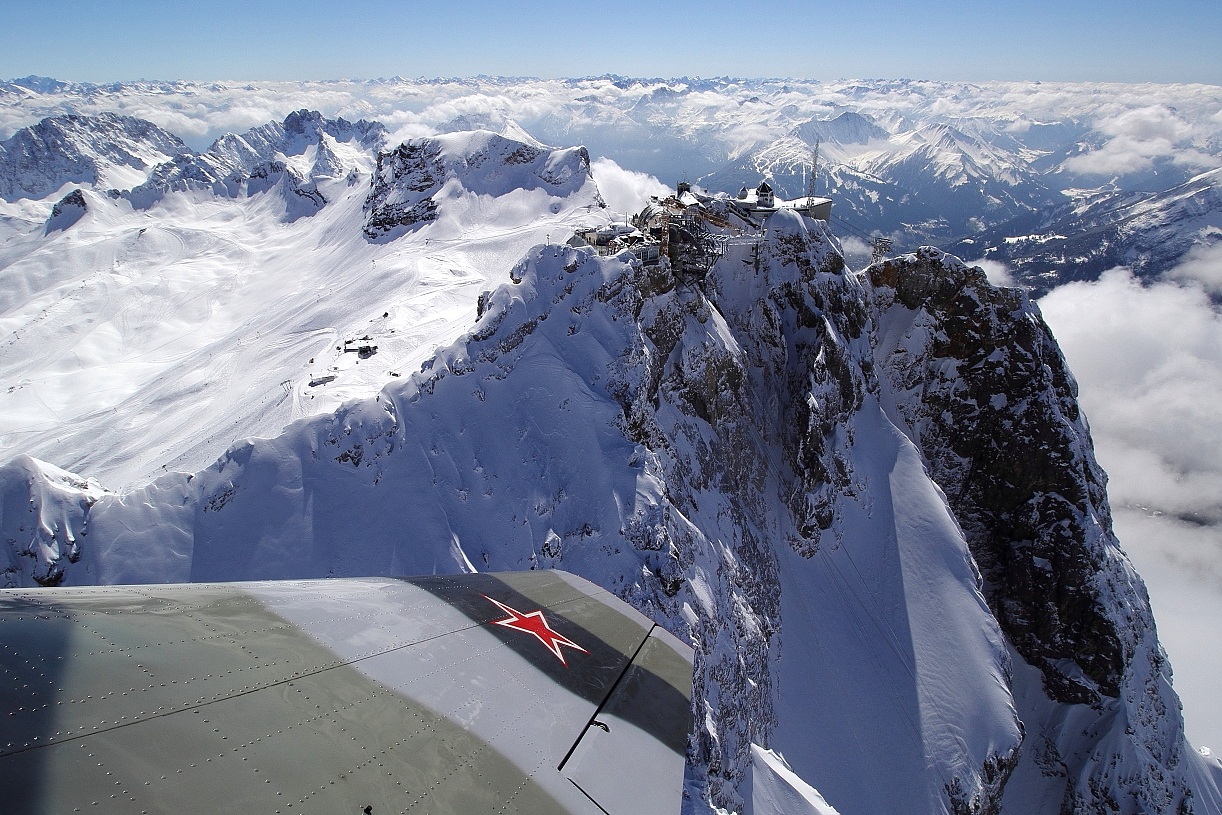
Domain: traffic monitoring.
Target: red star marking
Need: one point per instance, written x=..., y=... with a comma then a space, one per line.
x=534, y=623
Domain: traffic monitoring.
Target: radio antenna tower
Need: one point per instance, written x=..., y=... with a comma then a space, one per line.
x=880, y=248
x=814, y=173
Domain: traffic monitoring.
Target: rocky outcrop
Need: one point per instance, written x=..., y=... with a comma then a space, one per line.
x=100, y=151
x=409, y=181
x=980, y=386
x=67, y=211
x=43, y=516
x=404, y=183
x=994, y=410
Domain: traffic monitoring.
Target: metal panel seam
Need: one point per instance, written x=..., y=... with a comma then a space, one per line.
x=598, y=709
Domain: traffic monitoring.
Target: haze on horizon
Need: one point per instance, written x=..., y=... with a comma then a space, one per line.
x=1099, y=41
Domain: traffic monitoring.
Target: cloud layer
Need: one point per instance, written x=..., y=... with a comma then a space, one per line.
x=1137, y=137
x=1148, y=360
x=1134, y=124
x=625, y=191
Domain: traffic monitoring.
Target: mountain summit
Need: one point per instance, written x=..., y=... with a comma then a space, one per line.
x=107, y=150
x=868, y=499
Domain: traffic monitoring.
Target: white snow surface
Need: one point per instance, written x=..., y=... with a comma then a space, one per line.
x=873, y=621
x=777, y=790
x=146, y=338
x=607, y=419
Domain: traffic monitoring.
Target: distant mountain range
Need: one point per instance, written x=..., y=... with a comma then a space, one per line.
x=1000, y=160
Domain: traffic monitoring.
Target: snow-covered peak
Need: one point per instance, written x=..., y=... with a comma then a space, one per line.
x=847, y=128
x=303, y=133
x=777, y=790
x=422, y=180
x=102, y=151
x=515, y=132
x=747, y=458
x=950, y=156
x=37, y=84
x=306, y=145
x=67, y=211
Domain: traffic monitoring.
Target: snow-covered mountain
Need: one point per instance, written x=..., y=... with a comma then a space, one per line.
x=867, y=498
x=989, y=154
x=848, y=128
x=100, y=151
x=752, y=461
x=1099, y=230
x=885, y=182
x=298, y=153
x=420, y=182
x=145, y=330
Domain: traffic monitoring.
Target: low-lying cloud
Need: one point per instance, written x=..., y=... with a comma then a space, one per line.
x=1139, y=136
x=1136, y=123
x=998, y=273
x=1203, y=265
x=1148, y=360
x=625, y=191
x=1148, y=123
x=857, y=253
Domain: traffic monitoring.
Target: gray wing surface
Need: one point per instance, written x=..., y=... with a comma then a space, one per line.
x=527, y=692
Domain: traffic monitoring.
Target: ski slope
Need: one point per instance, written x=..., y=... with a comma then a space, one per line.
x=145, y=339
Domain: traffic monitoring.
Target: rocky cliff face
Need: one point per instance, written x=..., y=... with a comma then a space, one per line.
x=103, y=150
x=868, y=500
x=410, y=181
x=978, y=383
x=983, y=391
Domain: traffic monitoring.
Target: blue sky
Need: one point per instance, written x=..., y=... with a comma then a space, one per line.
x=1105, y=40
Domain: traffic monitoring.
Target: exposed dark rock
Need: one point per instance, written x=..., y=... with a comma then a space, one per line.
x=67, y=211
x=998, y=421
x=982, y=389
x=402, y=187
x=72, y=149
x=407, y=179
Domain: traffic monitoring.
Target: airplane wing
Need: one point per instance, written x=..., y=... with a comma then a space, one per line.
x=529, y=692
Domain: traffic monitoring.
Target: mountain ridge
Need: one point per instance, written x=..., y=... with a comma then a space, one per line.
x=694, y=449
x=1037, y=148
x=773, y=458
x=94, y=150
x=227, y=303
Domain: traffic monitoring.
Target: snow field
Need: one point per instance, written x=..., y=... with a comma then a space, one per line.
x=145, y=340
